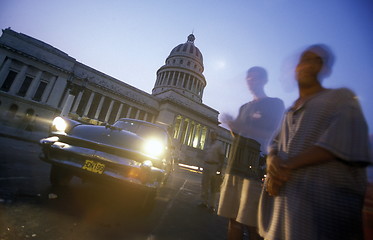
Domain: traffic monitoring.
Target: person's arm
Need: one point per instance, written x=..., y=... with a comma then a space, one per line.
x=279, y=168
x=314, y=155
x=279, y=171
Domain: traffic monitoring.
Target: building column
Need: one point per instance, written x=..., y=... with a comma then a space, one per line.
x=56, y=91
x=182, y=82
x=109, y=111
x=89, y=103
x=191, y=136
x=119, y=112
x=199, y=137
x=99, y=107
x=67, y=106
x=18, y=80
x=48, y=89
x=129, y=112
x=173, y=79
x=164, y=78
x=187, y=129
x=137, y=114
x=146, y=116
x=199, y=87
x=4, y=71
x=180, y=128
x=178, y=79
x=193, y=85
x=77, y=101
x=160, y=79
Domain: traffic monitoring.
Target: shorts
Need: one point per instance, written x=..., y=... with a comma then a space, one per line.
x=239, y=199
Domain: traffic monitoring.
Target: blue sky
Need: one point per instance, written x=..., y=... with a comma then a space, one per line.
x=130, y=40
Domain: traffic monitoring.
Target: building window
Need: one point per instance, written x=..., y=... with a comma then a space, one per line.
x=8, y=81
x=39, y=91
x=29, y=113
x=25, y=86
x=12, y=111
x=27, y=119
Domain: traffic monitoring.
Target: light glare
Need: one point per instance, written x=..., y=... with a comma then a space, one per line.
x=60, y=124
x=154, y=147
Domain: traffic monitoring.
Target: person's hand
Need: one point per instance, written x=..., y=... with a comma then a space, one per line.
x=272, y=186
x=277, y=169
x=277, y=174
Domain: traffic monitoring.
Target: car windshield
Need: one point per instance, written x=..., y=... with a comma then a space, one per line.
x=142, y=129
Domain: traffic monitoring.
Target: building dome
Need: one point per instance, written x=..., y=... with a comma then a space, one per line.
x=188, y=49
x=182, y=72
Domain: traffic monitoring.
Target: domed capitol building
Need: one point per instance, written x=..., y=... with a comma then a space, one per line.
x=39, y=82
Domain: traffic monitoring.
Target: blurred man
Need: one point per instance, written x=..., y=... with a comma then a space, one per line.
x=252, y=129
x=213, y=162
x=316, y=175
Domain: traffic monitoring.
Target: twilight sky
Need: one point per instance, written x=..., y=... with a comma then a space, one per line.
x=130, y=40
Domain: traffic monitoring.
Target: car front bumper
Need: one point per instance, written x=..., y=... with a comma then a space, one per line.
x=100, y=166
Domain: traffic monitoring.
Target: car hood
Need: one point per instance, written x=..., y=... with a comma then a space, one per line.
x=108, y=136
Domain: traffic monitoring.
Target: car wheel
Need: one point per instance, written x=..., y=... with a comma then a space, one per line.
x=59, y=177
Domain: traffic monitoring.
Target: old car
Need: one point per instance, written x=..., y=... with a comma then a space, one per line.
x=132, y=153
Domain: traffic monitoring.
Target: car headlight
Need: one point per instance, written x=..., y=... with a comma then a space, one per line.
x=154, y=147
x=59, y=124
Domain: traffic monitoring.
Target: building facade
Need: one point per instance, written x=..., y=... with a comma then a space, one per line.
x=39, y=82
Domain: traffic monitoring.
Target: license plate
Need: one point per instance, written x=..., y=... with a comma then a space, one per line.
x=93, y=166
